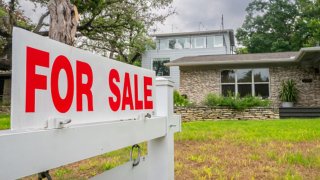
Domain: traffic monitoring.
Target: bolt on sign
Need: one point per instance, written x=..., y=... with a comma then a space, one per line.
x=53, y=80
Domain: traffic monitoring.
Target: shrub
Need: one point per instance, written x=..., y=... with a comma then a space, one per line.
x=235, y=102
x=288, y=92
x=180, y=100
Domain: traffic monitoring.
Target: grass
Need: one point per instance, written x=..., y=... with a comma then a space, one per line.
x=4, y=121
x=293, y=130
x=277, y=149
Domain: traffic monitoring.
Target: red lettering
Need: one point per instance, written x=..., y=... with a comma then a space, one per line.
x=127, y=94
x=114, y=77
x=35, y=81
x=62, y=104
x=138, y=103
x=147, y=92
x=84, y=88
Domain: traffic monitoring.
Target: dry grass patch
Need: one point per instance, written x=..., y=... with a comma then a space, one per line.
x=229, y=160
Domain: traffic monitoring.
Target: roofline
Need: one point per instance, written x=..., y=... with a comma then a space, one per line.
x=242, y=62
x=191, y=33
x=296, y=59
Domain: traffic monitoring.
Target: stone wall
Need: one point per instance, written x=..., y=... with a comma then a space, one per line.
x=208, y=113
x=309, y=93
x=196, y=84
x=5, y=109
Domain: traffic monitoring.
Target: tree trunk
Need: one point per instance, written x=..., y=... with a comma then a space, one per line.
x=64, y=20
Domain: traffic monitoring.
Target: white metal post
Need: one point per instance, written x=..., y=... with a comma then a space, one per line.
x=161, y=150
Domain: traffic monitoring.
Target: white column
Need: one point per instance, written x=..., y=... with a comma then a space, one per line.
x=161, y=150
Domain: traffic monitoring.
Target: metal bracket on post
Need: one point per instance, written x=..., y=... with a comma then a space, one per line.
x=44, y=175
x=135, y=161
x=57, y=123
x=144, y=116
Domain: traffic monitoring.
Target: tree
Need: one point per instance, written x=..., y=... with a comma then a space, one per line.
x=63, y=21
x=114, y=28
x=278, y=25
x=10, y=15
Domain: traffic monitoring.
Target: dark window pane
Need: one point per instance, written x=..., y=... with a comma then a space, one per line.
x=262, y=90
x=245, y=90
x=244, y=75
x=172, y=43
x=261, y=75
x=160, y=68
x=227, y=89
x=227, y=76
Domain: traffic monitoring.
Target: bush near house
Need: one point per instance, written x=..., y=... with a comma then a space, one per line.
x=179, y=100
x=235, y=102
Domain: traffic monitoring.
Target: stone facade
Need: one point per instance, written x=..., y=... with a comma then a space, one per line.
x=196, y=84
x=208, y=113
x=309, y=93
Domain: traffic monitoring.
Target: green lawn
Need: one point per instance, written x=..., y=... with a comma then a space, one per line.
x=269, y=149
x=4, y=121
x=292, y=130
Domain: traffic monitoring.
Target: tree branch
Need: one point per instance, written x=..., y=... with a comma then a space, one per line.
x=40, y=23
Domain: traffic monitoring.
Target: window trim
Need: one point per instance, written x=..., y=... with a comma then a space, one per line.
x=253, y=93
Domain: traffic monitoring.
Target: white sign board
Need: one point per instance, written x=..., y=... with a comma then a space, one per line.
x=51, y=80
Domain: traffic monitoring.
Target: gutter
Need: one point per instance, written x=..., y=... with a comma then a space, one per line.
x=238, y=62
x=294, y=59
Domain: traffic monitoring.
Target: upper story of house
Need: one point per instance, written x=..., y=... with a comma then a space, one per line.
x=172, y=46
x=220, y=41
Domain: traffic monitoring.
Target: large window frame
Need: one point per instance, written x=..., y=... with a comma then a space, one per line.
x=164, y=60
x=253, y=83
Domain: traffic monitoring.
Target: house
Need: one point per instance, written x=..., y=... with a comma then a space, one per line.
x=251, y=74
x=172, y=46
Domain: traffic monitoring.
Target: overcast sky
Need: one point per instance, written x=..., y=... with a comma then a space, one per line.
x=192, y=15
x=205, y=14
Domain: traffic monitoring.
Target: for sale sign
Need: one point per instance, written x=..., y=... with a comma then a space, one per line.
x=52, y=80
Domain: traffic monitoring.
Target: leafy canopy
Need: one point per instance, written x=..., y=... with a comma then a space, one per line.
x=115, y=28
x=280, y=25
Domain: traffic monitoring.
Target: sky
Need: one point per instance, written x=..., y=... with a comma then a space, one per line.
x=192, y=15
x=195, y=15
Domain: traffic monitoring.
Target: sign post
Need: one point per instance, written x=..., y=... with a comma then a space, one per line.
x=76, y=105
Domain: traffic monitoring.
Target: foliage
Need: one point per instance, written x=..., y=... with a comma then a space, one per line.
x=114, y=28
x=10, y=15
x=179, y=100
x=280, y=25
x=235, y=102
x=289, y=91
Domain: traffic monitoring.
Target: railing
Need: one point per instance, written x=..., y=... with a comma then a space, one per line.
x=26, y=152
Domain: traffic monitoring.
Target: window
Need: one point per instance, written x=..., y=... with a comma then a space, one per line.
x=159, y=67
x=199, y=42
x=215, y=41
x=245, y=82
x=172, y=43
x=218, y=41
x=163, y=44
x=182, y=43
